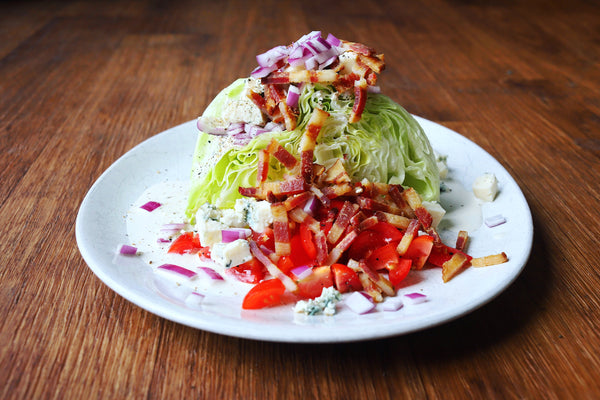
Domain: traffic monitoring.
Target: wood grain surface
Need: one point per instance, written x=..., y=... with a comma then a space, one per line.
x=82, y=82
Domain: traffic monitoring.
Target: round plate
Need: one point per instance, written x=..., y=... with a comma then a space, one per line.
x=101, y=228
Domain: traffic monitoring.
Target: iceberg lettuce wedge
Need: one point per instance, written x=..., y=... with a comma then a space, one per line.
x=387, y=145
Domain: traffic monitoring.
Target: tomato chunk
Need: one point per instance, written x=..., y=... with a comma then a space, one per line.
x=365, y=243
x=285, y=264
x=383, y=256
x=308, y=242
x=399, y=271
x=265, y=294
x=298, y=254
x=186, y=243
x=346, y=279
x=419, y=250
x=389, y=232
x=250, y=272
x=312, y=286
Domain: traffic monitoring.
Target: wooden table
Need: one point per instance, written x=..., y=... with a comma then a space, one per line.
x=83, y=82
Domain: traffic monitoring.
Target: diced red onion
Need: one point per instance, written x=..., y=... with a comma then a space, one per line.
x=310, y=207
x=373, y=89
x=162, y=240
x=293, y=95
x=302, y=271
x=261, y=72
x=359, y=303
x=272, y=126
x=272, y=56
x=392, y=304
x=328, y=62
x=172, y=227
x=178, y=270
x=415, y=298
x=495, y=221
x=204, y=127
x=128, y=250
x=151, y=206
x=211, y=273
x=231, y=234
x=311, y=63
x=332, y=40
x=194, y=299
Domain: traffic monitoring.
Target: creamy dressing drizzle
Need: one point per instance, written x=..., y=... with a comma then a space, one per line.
x=463, y=212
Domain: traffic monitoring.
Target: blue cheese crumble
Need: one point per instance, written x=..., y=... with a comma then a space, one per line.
x=324, y=304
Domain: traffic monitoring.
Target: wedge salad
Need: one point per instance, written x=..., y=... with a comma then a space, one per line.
x=308, y=183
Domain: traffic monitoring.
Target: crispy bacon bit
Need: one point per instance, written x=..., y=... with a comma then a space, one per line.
x=486, y=261
x=281, y=230
x=451, y=267
x=280, y=153
x=413, y=199
x=338, y=250
x=297, y=200
x=272, y=268
x=378, y=279
x=337, y=190
x=302, y=217
x=367, y=222
x=263, y=166
x=336, y=173
x=309, y=141
x=360, y=99
x=398, y=221
x=424, y=217
x=358, y=48
x=461, y=240
x=322, y=198
x=409, y=235
x=341, y=222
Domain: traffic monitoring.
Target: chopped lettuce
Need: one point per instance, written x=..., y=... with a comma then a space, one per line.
x=386, y=145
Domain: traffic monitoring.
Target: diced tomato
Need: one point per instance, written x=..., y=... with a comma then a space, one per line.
x=298, y=254
x=266, y=238
x=186, y=243
x=383, y=256
x=250, y=272
x=389, y=231
x=265, y=294
x=346, y=279
x=312, y=286
x=399, y=271
x=204, y=253
x=440, y=253
x=285, y=264
x=365, y=243
x=419, y=250
x=308, y=241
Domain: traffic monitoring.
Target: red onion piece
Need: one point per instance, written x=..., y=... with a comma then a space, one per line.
x=293, y=95
x=172, y=227
x=310, y=207
x=204, y=127
x=495, y=221
x=231, y=234
x=272, y=56
x=162, y=240
x=178, y=270
x=211, y=273
x=128, y=250
x=302, y=271
x=374, y=89
x=415, y=298
x=194, y=299
x=151, y=206
x=392, y=304
x=358, y=303
x=332, y=40
x=261, y=72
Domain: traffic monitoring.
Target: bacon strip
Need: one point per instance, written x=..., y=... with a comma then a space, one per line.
x=281, y=229
x=263, y=167
x=360, y=99
x=377, y=279
x=338, y=250
x=280, y=153
x=424, y=217
x=309, y=141
x=409, y=235
x=341, y=222
x=272, y=268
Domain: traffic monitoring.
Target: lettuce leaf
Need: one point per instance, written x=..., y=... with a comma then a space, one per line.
x=386, y=145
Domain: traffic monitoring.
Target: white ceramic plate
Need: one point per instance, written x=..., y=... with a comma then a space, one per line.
x=101, y=227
